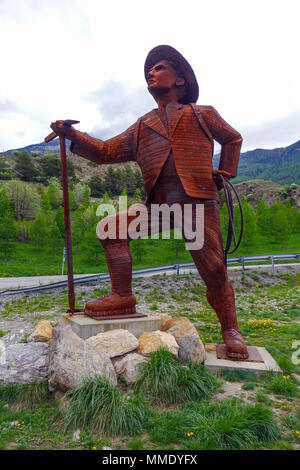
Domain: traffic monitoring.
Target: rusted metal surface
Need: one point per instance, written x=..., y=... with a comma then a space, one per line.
x=173, y=141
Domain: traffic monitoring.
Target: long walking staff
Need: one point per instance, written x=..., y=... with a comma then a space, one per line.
x=63, y=157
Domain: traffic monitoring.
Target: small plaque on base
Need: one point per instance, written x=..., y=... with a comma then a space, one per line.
x=117, y=317
x=254, y=355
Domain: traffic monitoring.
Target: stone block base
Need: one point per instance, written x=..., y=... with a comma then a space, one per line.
x=214, y=364
x=85, y=327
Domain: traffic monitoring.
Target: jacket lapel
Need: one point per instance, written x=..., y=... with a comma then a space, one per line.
x=174, y=113
x=155, y=123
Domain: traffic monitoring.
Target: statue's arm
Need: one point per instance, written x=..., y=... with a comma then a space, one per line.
x=229, y=138
x=116, y=150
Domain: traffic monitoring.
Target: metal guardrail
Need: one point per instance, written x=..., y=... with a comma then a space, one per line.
x=169, y=267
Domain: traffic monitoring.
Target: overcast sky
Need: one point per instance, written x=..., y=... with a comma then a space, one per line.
x=84, y=60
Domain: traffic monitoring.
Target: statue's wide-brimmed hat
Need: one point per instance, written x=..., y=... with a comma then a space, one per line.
x=164, y=52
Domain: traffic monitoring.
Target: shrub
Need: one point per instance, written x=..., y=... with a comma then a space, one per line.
x=164, y=380
x=101, y=407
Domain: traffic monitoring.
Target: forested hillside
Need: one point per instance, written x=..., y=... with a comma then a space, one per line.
x=32, y=221
x=281, y=165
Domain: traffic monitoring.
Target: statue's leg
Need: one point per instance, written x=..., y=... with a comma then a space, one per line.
x=119, y=262
x=211, y=267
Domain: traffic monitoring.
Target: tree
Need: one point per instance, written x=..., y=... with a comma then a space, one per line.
x=113, y=181
x=250, y=228
x=139, y=248
x=55, y=239
x=24, y=199
x=72, y=202
x=224, y=220
x=291, y=211
x=46, y=202
x=137, y=195
x=129, y=180
x=177, y=245
x=23, y=230
x=55, y=194
x=24, y=167
x=89, y=219
x=5, y=172
x=96, y=185
x=263, y=216
x=86, y=196
x=7, y=225
x=60, y=221
x=7, y=235
x=82, y=194
x=38, y=232
x=91, y=246
x=280, y=228
x=77, y=228
x=50, y=166
x=5, y=204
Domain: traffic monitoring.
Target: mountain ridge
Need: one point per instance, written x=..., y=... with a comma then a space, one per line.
x=281, y=164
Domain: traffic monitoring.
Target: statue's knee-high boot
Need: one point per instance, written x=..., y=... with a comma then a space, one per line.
x=222, y=301
x=120, y=300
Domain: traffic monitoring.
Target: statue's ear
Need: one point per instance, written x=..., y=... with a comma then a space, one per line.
x=180, y=81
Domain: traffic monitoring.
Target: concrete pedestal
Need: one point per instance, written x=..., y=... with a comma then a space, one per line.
x=85, y=326
x=213, y=363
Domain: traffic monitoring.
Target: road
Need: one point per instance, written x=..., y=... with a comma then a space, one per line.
x=17, y=282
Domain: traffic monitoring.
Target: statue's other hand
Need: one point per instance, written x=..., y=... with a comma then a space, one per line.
x=62, y=129
x=217, y=177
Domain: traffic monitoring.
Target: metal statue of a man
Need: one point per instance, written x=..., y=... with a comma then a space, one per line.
x=173, y=145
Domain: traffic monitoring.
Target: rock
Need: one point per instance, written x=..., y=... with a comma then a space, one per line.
x=128, y=367
x=42, y=332
x=151, y=341
x=2, y=352
x=24, y=363
x=14, y=337
x=72, y=360
x=163, y=316
x=114, y=342
x=186, y=335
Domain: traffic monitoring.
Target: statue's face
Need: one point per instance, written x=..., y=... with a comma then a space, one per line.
x=161, y=78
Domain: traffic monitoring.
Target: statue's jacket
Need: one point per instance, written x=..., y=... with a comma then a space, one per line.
x=190, y=135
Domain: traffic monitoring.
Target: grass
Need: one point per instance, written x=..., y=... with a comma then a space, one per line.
x=180, y=410
x=230, y=424
x=3, y=333
x=282, y=385
x=167, y=382
x=238, y=375
x=27, y=261
x=104, y=409
x=26, y=395
x=226, y=425
x=29, y=418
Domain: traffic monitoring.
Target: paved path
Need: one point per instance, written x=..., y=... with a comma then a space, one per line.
x=16, y=282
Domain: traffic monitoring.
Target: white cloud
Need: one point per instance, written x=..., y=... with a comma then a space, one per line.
x=57, y=53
